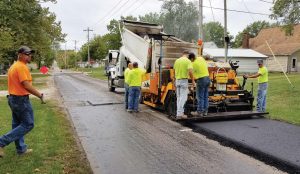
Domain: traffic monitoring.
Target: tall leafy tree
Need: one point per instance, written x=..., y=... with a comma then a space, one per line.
x=154, y=18
x=28, y=23
x=252, y=29
x=214, y=31
x=100, y=45
x=180, y=19
x=6, y=43
x=98, y=49
x=287, y=12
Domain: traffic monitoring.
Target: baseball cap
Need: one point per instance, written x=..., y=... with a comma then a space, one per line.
x=260, y=61
x=25, y=50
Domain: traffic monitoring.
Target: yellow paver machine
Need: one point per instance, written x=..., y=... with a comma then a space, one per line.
x=157, y=52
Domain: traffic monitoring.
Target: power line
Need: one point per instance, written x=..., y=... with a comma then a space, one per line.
x=248, y=10
x=212, y=10
x=239, y=11
x=266, y=1
x=137, y=7
x=120, y=8
x=131, y=5
x=110, y=11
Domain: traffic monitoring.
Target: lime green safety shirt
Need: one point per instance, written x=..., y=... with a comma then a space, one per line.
x=135, y=77
x=263, y=75
x=181, y=67
x=126, y=75
x=200, y=68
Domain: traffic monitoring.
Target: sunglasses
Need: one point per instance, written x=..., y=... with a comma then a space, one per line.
x=27, y=54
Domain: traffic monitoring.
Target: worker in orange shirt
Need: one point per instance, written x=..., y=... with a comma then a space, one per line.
x=19, y=88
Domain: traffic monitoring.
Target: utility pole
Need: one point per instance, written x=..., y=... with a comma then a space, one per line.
x=88, y=31
x=200, y=32
x=65, y=55
x=75, y=48
x=226, y=38
x=200, y=19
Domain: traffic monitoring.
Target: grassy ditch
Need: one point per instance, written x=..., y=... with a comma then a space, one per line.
x=94, y=72
x=282, y=100
x=54, y=147
x=39, y=81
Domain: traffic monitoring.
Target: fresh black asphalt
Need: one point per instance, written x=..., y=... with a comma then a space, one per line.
x=274, y=142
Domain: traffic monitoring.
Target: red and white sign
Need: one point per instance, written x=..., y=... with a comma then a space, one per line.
x=44, y=70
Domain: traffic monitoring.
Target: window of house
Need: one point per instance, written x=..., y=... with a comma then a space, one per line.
x=294, y=63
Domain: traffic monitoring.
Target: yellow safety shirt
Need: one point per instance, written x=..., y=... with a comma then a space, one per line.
x=181, y=67
x=200, y=68
x=135, y=77
x=263, y=71
x=126, y=75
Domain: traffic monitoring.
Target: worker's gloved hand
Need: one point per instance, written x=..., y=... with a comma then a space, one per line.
x=191, y=88
x=42, y=99
x=193, y=83
x=245, y=76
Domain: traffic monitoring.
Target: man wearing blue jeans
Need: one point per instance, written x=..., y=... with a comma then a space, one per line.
x=135, y=82
x=129, y=67
x=183, y=70
x=262, y=75
x=19, y=88
x=202, y=79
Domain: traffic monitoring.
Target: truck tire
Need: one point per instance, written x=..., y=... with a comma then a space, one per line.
x=110, y=84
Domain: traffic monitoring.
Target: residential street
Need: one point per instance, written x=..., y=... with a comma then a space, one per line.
x=146, y=142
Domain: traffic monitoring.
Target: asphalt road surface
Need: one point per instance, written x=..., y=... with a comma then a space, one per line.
x=117, y=142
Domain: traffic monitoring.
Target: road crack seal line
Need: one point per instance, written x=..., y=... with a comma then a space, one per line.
x=104, y=104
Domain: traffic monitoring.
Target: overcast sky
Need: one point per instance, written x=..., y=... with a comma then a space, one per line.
x=77, y=15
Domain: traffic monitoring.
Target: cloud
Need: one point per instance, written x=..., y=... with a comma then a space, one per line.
x=77, y=15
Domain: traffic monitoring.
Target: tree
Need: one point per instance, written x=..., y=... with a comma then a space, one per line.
x=113, y=39
x=100, y=45
x=154, y=18
x=180, y=19
x=6, y=43
x=252, y=29
x=67, y=58
x=214, y=31
x=287, y=12
x=27, y=23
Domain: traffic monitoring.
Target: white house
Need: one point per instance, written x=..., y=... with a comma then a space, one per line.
x=247, y=57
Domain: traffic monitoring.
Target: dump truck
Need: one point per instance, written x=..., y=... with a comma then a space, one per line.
x=156, y=52
x=110, y=60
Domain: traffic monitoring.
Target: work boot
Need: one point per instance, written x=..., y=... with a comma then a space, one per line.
x=183, y=116
x=205, y=113
x=1, y=152
x=197, y=113
x=26, y=152
x=129, y=110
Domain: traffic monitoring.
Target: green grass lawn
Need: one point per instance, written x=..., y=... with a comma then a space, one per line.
x=54, y=147
x=39, y=81
x=282, y=100
x=35, y=71
x=93, y=72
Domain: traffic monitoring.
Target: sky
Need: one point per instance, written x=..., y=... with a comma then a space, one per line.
x=77, y=15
